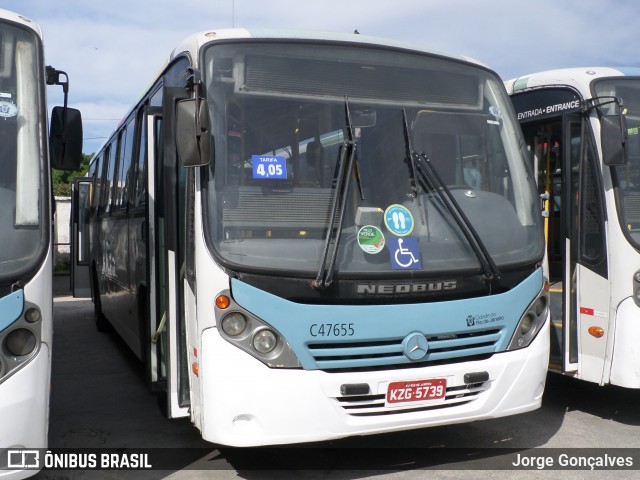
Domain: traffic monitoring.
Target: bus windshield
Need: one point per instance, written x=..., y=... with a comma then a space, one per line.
x=285, y=116
x=627, y=177
x=21, y=159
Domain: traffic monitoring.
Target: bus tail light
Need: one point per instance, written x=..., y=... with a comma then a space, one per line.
x=531, y=322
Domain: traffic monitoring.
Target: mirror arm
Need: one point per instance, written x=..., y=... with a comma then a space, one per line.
x=194, y=83
x=53, y=78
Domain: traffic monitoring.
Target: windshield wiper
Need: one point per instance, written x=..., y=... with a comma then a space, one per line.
x=411, y=161
x=424, y=171
x=324, y=278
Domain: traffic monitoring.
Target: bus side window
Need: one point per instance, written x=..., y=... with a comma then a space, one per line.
x=97, y=181
x=140, y=180
x=110, y=160
x=124, y=170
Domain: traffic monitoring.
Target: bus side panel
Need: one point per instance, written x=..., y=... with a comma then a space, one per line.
x=593, y=311
x=123, y=311
x=24, y=404
x=24, y=397
x=625, y=366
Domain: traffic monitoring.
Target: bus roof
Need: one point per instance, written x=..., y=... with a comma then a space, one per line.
x=194, y=42
x=578, y=78
x=20, y=19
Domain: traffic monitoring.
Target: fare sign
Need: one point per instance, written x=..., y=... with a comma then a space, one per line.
x=416, y=391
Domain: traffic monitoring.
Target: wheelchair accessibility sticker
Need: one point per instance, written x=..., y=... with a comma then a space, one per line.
x=398, y=220
x=405, y=254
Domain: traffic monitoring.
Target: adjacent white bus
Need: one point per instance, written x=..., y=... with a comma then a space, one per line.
x=26, y=236
x=312, y=237
x=581, y=127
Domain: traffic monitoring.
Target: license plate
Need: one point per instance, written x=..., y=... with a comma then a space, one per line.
x=416, y=391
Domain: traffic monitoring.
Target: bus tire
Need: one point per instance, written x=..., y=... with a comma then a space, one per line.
x=162, y=398
x=102, y=324
x=143, y=325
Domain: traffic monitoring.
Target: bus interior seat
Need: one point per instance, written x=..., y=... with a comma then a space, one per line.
x=313, y=168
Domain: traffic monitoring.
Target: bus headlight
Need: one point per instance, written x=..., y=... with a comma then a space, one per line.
x=32, y=315
x=253, y=335
x=526, y=323
x=530, y=322
x=234, y=324
x=265, y=341
x=636, y=288
x=20, y=342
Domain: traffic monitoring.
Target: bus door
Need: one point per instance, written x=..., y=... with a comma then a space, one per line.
x=81, y=192
x=564, y=158
x=168, y=366
x=546, y=142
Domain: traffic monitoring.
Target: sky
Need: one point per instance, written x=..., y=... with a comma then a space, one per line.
x=112, y=49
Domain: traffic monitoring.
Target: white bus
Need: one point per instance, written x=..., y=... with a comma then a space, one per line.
x=581, y=127
x=312, y=237
x=26, y=236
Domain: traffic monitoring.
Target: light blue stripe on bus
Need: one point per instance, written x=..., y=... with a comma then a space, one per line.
x=379, y=323
x=11, y=308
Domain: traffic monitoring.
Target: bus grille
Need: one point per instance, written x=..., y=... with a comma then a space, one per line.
x=374, y=405
x=389, y=354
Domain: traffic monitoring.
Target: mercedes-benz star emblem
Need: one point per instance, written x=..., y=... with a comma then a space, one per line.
x=415, y=346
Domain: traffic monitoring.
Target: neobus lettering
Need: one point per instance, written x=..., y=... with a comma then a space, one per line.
x=390, y=288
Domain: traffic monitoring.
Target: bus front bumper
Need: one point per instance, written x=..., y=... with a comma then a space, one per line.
x=245, y=403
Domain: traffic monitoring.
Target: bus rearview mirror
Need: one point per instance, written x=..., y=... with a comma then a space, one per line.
x=65, y=138
x=614, y=139
x=193, y=136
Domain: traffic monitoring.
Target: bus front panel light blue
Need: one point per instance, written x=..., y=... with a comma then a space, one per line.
x=20, y=342
x=264, y=341
x=234, y=324
x=531, y=322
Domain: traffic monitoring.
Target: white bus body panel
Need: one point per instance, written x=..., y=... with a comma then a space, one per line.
x=24, y=397
x=24, y=409
x=592, y=311
x=174, y=408
x=625, y=367
x=278, y=406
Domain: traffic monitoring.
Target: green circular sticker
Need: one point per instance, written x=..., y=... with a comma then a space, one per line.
x=370, y=239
